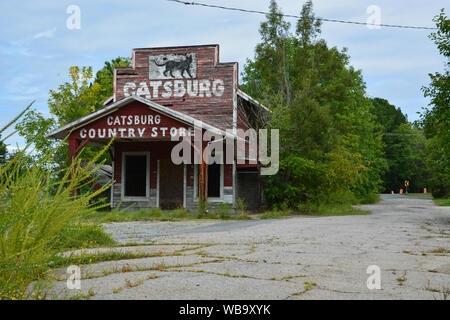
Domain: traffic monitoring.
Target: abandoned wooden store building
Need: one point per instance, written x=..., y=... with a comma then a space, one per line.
x=166, y=92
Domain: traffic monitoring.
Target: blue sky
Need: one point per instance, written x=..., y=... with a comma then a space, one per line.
x=37, y=48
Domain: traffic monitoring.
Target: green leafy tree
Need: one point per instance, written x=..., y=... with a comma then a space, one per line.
x=328, y=145
x=435, y=119
x=268, y=72
x=387, y=115
x=76, y=98
x=104, y=77
x=3, y=152
x=403, y=148
x=83, y=94
x=34, y=127
x=79, y=96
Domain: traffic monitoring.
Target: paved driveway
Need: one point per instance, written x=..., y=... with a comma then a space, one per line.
x=294, y=258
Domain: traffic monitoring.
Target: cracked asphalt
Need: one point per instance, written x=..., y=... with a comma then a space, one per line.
x=294, y=258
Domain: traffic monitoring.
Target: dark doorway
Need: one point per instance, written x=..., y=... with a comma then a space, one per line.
x=136, y=175
x=214, y=180
x=170, y=185
x=249, y=188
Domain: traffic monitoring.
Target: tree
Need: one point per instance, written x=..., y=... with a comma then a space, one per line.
x=3, y=151
x=75, y=99
x=318, y=101
x=268, y=73
x=72, y=100
x=435, y=120
x=404, y=151
x=387, y=115
x=34, y=127
x=403, y=147
x=104, y=77
x=83, y=94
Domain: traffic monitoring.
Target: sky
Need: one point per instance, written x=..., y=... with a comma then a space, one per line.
x=37, y=47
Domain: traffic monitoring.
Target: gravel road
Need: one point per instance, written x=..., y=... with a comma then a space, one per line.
x=293, y=258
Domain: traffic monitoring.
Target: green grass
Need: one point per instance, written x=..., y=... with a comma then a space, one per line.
x=155, y=214
x=315, y=210
x=77, y=235
x=333, y=210
x=370, y=198
x=141, y=215
x=421, y=195
x=440, y=250
x=442, y=202
x=85, y=259
x=183, y=215
x=275, y=214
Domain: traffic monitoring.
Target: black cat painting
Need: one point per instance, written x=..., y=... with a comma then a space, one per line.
x=181, y=66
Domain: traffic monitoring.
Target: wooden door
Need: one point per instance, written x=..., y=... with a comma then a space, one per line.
x=170, y=185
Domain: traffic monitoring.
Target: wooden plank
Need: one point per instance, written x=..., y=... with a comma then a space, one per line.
x=171, y=185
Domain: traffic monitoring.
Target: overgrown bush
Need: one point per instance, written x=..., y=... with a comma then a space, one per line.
x=202, y=209
x=240, y=207
x=223, y=210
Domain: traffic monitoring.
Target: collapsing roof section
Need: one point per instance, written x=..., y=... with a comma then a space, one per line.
x=253, y=113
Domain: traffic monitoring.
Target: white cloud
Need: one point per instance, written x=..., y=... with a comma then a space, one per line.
x=36, y=48
x=45, y=34
x=12, y=149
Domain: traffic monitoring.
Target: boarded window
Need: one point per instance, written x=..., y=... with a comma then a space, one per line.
x=214, y=180
x=135, y=175
x=170, y=185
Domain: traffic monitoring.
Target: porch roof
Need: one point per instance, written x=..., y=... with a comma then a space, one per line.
x=62, y=132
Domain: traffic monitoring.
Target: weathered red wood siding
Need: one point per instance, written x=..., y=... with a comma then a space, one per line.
x=157, y=149
x=131, y=110
x=215, y=110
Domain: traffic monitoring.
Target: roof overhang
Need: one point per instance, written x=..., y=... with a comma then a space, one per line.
x=64, y=131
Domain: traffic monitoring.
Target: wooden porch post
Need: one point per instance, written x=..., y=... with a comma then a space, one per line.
x=203, y=175
x=73, y=146
x=73, y=150
x=203, y=185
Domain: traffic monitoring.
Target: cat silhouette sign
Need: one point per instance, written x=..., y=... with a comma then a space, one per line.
x=173, y=66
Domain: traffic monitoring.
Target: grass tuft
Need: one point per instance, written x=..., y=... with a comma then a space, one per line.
x=157, y=214
x=311, y=209
x=442, y=202
x=36, y=207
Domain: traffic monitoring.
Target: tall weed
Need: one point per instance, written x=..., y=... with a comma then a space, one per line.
x=34, y=208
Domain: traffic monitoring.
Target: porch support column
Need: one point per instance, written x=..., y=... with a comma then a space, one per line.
x=203, y=178
x=73, y=151
x=203, y=174
x=73, y=146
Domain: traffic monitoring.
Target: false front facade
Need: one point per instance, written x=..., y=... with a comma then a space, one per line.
x=177, y=118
